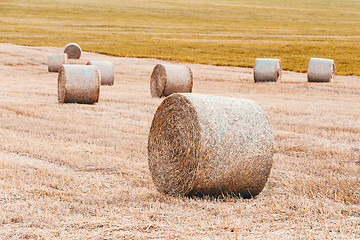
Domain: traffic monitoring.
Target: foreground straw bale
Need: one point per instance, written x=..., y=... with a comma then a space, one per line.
x=209, y=145
x=56, y=60
x=267, y=70
x=106, y=70
x=321, y=70
x=78, y=84
x=170, y=78
x=73, y=51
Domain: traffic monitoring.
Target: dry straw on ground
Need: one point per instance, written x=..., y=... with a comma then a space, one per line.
x=106, y=70
x=79, y=171
x=56, y=60
x=321, y=70
x=73, y=50
x=209, y=145
x=267, y=70
x=170, y=78
x=78, y=84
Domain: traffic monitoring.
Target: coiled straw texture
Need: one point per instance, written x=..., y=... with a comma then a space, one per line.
x=73, y=50
x=78, y=84
x=170, y=78
x=209, y=145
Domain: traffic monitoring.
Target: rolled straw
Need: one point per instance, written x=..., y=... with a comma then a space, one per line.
x=267, y=70
x=106, y=70
x=56, y=60
x=321, y=70
x=170, y=78
x=73, y=51
x=209, y=145
x=78, y=84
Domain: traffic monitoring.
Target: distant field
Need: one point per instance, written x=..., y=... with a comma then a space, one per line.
x=219, y=32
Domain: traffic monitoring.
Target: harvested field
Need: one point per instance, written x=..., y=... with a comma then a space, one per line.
x=75, y=171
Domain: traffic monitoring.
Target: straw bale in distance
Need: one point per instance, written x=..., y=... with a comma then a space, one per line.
x=73, y=51
x=78, y=84
x=56, y=60
x=106, y=70
x=170, y=78
x=267, y=70
x=321, y=70
x=209, y=145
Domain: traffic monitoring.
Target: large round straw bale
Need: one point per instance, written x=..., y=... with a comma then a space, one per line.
x=106, y=70
x=170, y=78
x=56, y=60
x=321, y=70
x=78, y=84
x=267, y=70
x=209, y=145
x=73, y=51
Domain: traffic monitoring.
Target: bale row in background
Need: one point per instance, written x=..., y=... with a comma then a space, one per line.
x=170, y=78
x=269, y=70
x=209, y=145
x=78, y=84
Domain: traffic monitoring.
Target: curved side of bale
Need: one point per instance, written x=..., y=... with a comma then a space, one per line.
x=73, y=50
x=78, y=84
x=170, y=78
x=321, y=70
x=106, y=70
x=267, y=70
x=56, y=60
x=209, y=145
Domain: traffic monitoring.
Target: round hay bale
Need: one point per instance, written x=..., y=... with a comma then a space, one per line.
x=170, y=78
x=73, y=51
x=321, y=70
x=106, y=70
x=56, y=60
x=209, y=145
x=78, y=84
x=267, y=70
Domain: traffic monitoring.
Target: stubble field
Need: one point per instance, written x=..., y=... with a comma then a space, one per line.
x=73, y=171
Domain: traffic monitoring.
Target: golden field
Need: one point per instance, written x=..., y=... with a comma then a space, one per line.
x=217, y=32
x=74, y=171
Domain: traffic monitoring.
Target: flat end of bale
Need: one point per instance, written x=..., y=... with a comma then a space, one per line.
x=73, y=50
x=61, y=85
x=158, y=81
x=173, y=145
